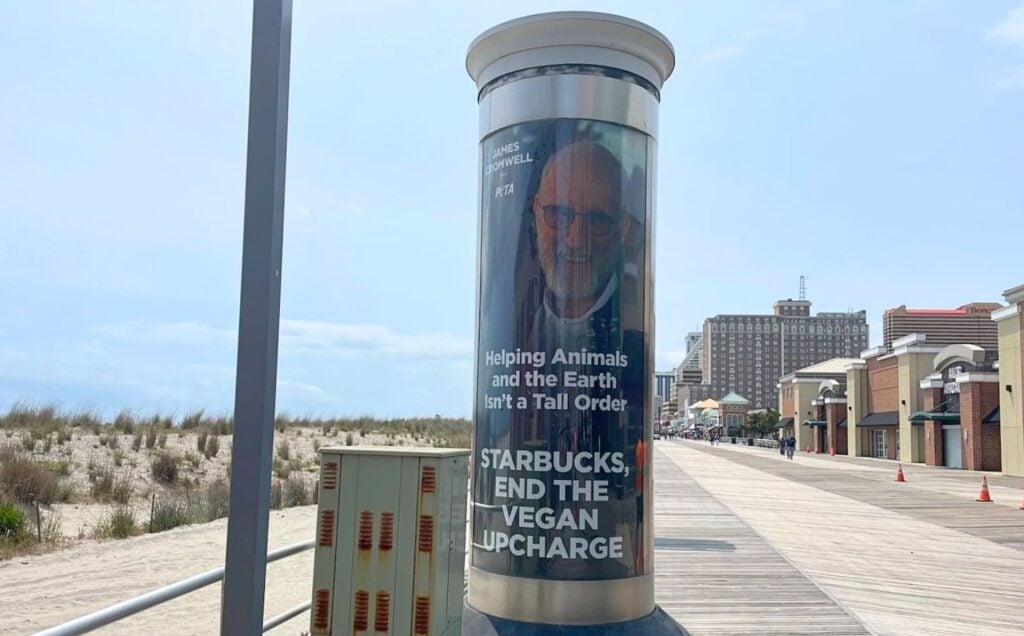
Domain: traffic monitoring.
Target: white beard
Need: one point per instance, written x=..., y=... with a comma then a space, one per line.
x=571, y=289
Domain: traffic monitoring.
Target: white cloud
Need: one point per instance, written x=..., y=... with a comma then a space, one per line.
x=167, y=386
x=301, y=337
x=355, y=209
x=1010, y=30
x=171, y=333
x=1011, y=81
x=304, y=392
x=345, y=340
x=164, y=387
x=720, y=54
x=301, y=387
x=92, y=347
x=301, y=210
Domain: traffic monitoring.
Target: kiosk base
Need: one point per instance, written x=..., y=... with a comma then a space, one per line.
x=657, y=623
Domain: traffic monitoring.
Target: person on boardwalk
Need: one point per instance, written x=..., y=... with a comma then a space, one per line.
x=783, y=444
x=790, y=446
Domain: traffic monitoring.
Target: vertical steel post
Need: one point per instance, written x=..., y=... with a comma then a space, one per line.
x=259, y=317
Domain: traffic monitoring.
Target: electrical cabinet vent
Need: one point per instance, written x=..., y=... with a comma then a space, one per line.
x=391, y=549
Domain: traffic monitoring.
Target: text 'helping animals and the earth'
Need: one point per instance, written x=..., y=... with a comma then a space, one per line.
x=550, y=391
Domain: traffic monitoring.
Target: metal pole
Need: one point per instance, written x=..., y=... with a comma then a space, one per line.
x=284, y=617
x=259, y=316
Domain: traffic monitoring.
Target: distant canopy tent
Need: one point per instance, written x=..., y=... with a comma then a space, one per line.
x=815, y=423
x=992, y=418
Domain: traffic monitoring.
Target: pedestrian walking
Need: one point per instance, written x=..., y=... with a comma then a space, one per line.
x=782, y=445
x=790, y=446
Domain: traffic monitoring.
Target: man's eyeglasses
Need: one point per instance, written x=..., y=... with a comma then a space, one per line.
x=560, y=217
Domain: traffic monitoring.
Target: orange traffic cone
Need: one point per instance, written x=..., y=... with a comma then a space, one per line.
x=899, y=473
x=983, y=495
x=832, y=451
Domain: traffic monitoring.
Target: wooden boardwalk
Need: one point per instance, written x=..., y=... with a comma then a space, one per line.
x=715, y=575
x=935, y=495
x=912, y=558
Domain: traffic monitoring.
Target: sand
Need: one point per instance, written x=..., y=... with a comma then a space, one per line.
x=42, y=591
x=85, y=575
x=81, y=515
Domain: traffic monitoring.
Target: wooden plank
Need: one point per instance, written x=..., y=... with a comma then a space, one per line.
x=714, y=575
x=903, y=558
x=935, y=495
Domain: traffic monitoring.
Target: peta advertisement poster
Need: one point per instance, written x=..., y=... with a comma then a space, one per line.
x=561, y=434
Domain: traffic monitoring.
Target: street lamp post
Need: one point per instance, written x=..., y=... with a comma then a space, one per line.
x=245, y=562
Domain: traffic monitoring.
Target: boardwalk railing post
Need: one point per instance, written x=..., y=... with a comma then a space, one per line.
x=259, y=318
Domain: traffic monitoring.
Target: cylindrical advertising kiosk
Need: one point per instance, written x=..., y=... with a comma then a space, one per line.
x=561, y=478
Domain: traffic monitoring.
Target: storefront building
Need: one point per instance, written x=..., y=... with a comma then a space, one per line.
x=925, y=404
x=828, y=427
x=1010, y=415
x=798, y=413
x=733, y=411
x=873, y=401
x=960, y=415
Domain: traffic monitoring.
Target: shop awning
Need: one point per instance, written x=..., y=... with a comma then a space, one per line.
x=992, y=418
x=842, y=424
x=784, y=422
x=820, y=423
x=882, y=418
x=941, y=413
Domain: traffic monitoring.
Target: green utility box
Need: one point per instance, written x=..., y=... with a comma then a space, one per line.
x=390, y=541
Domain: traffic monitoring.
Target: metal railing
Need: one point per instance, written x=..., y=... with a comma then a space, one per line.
x=135, y=605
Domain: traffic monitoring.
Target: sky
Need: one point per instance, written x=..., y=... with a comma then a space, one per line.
x=875, y=147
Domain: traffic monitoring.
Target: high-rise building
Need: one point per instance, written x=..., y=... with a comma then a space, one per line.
x=748, y=353
x=679, y=393
x=967, y=324
x=663, y=385
x=692, y=359
x=663, y=381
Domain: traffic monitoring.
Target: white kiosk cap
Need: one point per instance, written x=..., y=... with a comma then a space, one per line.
x=571, y=37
